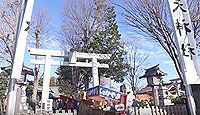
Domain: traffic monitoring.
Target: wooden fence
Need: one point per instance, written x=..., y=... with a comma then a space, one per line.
x=165, y=110
x=63, y=112
x=151, y=110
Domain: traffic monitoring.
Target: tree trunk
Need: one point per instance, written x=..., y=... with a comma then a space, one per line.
x=86, y=82
x=35, y=89
x=134, y=91
x=36, y=83
x=1, y=107
x=74, y=74
x=37, y=69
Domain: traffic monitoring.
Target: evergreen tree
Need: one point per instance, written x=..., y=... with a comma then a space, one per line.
x=65, y=80
x=107, y=40
x=3, y=88
x=104, y=40
x=67, y=76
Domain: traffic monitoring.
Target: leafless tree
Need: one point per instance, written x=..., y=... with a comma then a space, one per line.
x=194, y=8
x=152, y=19
x=40, y=31
x=9, y=11
x=39, y=35
x=137, y=58
x=81, y=19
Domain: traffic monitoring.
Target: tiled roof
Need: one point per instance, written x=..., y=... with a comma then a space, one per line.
x=144, y=97
x=146, y=89
x=153, y=71
x=29, y=71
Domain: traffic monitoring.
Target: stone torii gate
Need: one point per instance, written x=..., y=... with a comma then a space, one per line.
x=73, y=56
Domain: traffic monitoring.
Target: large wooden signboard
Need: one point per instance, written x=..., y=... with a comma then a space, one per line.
x=186, y=45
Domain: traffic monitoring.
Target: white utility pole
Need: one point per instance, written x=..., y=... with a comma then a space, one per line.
x=48, y=61
x=20, y=45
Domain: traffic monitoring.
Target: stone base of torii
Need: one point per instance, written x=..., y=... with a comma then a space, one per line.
x=73, y=56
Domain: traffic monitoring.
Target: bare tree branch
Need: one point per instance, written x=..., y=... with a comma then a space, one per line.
x=9, y=11
x=40, y=31
x=151, y=17
x=137, y=60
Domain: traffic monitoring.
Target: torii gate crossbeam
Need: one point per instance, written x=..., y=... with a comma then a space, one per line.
x=73, y=56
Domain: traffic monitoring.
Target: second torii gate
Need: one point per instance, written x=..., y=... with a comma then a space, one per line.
x=73, y=56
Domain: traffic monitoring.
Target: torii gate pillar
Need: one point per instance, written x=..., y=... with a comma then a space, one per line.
x=72, y=62
x=46, y=80
x=95, y=72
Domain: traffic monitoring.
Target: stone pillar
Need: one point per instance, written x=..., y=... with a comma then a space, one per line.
x=161, y=96
x=156, y=95
x=18, y=97
x=196, y=95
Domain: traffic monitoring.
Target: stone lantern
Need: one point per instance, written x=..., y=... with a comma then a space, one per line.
x=154, y=79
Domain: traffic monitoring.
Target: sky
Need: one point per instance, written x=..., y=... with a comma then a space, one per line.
x=54, y=10
x=157, y=55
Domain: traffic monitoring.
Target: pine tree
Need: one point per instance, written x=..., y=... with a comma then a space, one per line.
x=107, y=40
x=65, y=80
x=3, y=88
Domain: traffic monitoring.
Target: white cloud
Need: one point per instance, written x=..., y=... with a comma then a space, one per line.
x=53, y=45
x=168, y=62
